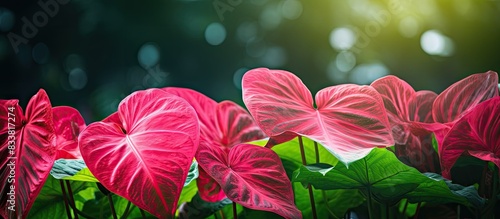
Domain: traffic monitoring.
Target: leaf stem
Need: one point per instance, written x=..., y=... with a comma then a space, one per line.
x=72, y=204
x=112, y=206
x=302, y=152
x=66, y=205
x=311, y=194
x=71, y=199
x=235, y=211
x=127, y=211
x=316, y=151
x=222, y=214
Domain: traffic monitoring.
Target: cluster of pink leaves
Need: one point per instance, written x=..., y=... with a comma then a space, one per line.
x=42, y=134
x=414, y=115
x=349, y=120
x=143, y=151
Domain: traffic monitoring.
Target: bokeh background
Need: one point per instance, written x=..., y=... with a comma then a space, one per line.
x=90, y=54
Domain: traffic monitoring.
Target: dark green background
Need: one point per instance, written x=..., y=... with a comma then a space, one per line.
x=106, y=36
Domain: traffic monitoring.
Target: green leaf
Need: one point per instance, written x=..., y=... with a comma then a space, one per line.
x=329, y=203
x=188, y=192
x=261, y=142
x=99, y=207
x=382, y=176
x=50, y=201
x=192, y=174
x=289, y=152
x=72, y=169
x=134, y=212
x=469, y=192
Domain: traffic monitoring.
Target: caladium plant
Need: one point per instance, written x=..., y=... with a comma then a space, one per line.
x=27, y=152
x=252, y=176
x=459, y=98
x=143, y=152
x=349, y=119
x=68, y=123
x=405, y=108
x=408, y=112
x=477, y=134
x=223, y=125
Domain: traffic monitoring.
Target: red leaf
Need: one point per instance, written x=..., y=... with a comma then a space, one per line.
x=464, y=95
x=410, y=115
x=146, y=156
x=252, y=176
x=349, y=121
x=203, y=105
x=68, y=123
x=223, y=125
x=235, y=126
x=459, y=98
x=477, y=133
x=34, y=152
x=405, y=107
x=208, y=188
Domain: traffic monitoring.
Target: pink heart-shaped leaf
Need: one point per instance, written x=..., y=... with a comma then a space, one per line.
x=410, y=115
x=144, y=151
x=234, y=126
x=27, y=165
x=68, y=123
x=406, y=109
x=223, y=125
x=464, y=95
x=203, y=105
x=459, y=98
x=252, y=176
x=477, y=132
x=349, y=120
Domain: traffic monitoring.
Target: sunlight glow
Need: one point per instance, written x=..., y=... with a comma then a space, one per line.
x=342, y=38
x=435, y=43
x=409, y=27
